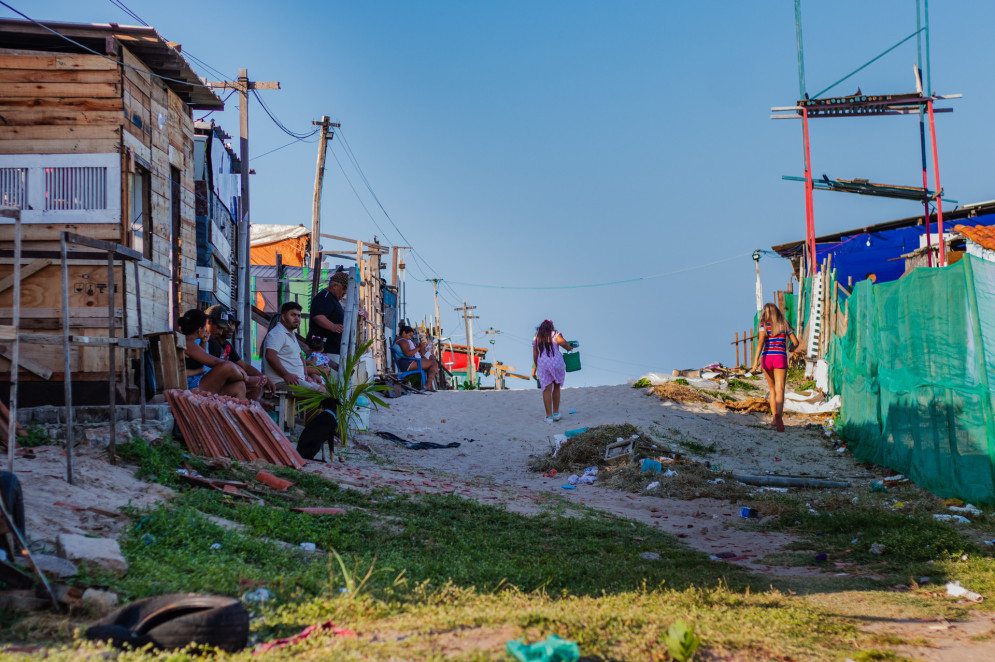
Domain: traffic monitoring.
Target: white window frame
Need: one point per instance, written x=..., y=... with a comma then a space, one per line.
x=36, y=164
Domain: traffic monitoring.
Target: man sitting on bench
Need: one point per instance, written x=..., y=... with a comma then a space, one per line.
x=283, y=361
x=219, y=325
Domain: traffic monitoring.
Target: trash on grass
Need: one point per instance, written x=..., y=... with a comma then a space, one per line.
x=954, y=589
x=748, y=513
x=651, y=466
x=670, y=472
x=943, y=517
x=876, y=548
x=553, y=649
x=650, y=556
x=967, y=509
x=652, y=486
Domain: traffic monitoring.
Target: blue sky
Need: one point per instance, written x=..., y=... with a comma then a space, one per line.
x=526, y=144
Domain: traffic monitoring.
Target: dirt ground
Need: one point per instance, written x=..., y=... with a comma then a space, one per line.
x=497, y=432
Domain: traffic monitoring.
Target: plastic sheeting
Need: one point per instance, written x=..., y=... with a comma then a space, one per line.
x=914, y=370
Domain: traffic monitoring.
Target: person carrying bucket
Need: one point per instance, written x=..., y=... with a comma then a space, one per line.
x=548, y=367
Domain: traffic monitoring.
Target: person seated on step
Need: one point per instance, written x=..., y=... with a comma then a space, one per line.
x=318, y=363
x=283, y=361
x=206, y=372
x=220, y=326
x=405, y=343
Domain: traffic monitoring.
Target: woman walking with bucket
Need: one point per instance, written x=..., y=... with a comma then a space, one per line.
x=549, y=368
x=772, y=356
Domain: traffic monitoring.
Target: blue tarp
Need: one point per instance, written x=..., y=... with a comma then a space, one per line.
x=854, y=259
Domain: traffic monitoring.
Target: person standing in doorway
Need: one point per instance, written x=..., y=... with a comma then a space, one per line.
x=772, y=357
x=549, y=368
x=327, y=315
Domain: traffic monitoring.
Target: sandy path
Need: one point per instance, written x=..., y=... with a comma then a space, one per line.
x=506, y=427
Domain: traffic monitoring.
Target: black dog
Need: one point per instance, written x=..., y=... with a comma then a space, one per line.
x=321, y=428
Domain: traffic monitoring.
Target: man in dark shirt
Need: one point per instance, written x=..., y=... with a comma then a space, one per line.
x=327, y=314
x=220, y=325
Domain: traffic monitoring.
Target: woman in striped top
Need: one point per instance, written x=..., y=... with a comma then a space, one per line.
x=772, y=357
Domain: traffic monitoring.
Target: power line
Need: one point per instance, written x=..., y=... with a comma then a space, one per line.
x=281, y=125
x=292, y=142
x=606, y=283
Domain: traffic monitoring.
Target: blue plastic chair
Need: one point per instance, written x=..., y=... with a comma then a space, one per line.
x=398, y=355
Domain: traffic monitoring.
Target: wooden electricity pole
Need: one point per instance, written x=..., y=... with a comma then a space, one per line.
x=319, y=177
x=438, y=319
x=471, y=369
x=244, y=305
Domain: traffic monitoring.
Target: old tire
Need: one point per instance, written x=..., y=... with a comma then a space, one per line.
x=174, y=621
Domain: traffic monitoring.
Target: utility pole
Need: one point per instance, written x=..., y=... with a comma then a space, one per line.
x=471, y=369
x=438, y=319
x=319, y=177
x=498, y=382
x=244, y=302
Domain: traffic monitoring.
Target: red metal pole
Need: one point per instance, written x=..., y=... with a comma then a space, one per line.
x=925, y=185
x=809, y=207
x=936, y=176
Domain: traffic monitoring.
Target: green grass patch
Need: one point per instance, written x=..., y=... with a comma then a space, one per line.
x=681, y=381
x=741, y=385
x=642, y=382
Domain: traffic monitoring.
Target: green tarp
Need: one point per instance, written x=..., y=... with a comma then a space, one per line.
x=914, y=371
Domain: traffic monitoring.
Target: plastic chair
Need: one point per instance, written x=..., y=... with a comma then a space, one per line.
x=398, y=355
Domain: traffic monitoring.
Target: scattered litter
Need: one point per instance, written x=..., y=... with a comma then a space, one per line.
x=855, y=541
x=963, y=557
x=573, y=411
x=651, y=466
x=215, y=545
x=550, y=474
x=573, y=479
x=899, y=478
x=924, y=580
x=953, y=502
x=587, y=479
x=820, y=558
x=308, y=546
x=878, y=487
x=877, y=549
x=943, y=517
x=748, y=513
x=897, y=504
x=619, y=448
x=574, y=433
x=954, y=589
x=990, y=543
x=650, y=556
x=652, y=486
x=716, y=481
x=415, y=445
x=326, y=627
x=569, y=487
x=771, y=489
x=966, y=510
x=553, y=649
x=670, y=472
x=810, y=402
x=841, y=449
x=258, y=595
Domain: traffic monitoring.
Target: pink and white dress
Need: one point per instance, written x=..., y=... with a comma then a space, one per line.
x=550, y=367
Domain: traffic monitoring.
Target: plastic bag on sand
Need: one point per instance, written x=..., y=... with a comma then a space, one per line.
x=821, y=375
x=554, y=649
x=810, y=402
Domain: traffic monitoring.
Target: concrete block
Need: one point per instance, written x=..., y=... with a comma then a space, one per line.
x=55, y=567
x=104, y=553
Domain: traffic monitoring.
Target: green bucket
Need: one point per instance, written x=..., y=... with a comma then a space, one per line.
x=572, y=361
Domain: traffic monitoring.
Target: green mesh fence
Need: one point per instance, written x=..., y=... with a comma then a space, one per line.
x=913, y=371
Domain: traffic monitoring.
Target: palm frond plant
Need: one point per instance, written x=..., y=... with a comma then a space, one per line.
x=343, y=390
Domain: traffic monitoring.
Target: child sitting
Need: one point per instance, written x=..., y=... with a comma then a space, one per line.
x=317, y=361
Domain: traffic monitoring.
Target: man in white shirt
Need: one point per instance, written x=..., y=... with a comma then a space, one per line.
x=283, y=362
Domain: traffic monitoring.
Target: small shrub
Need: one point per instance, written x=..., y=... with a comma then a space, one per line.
x=740, y=385
x=35, y=436
x=682, y=641
x=681, y=381
x=642, y=382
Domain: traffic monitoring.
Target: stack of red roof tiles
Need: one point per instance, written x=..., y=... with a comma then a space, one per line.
x=221, y=426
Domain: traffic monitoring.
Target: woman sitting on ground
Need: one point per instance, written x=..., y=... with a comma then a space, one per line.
x=410, y=351
x=206, y=372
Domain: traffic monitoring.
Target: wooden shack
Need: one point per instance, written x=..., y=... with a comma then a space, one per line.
x=96, y=138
